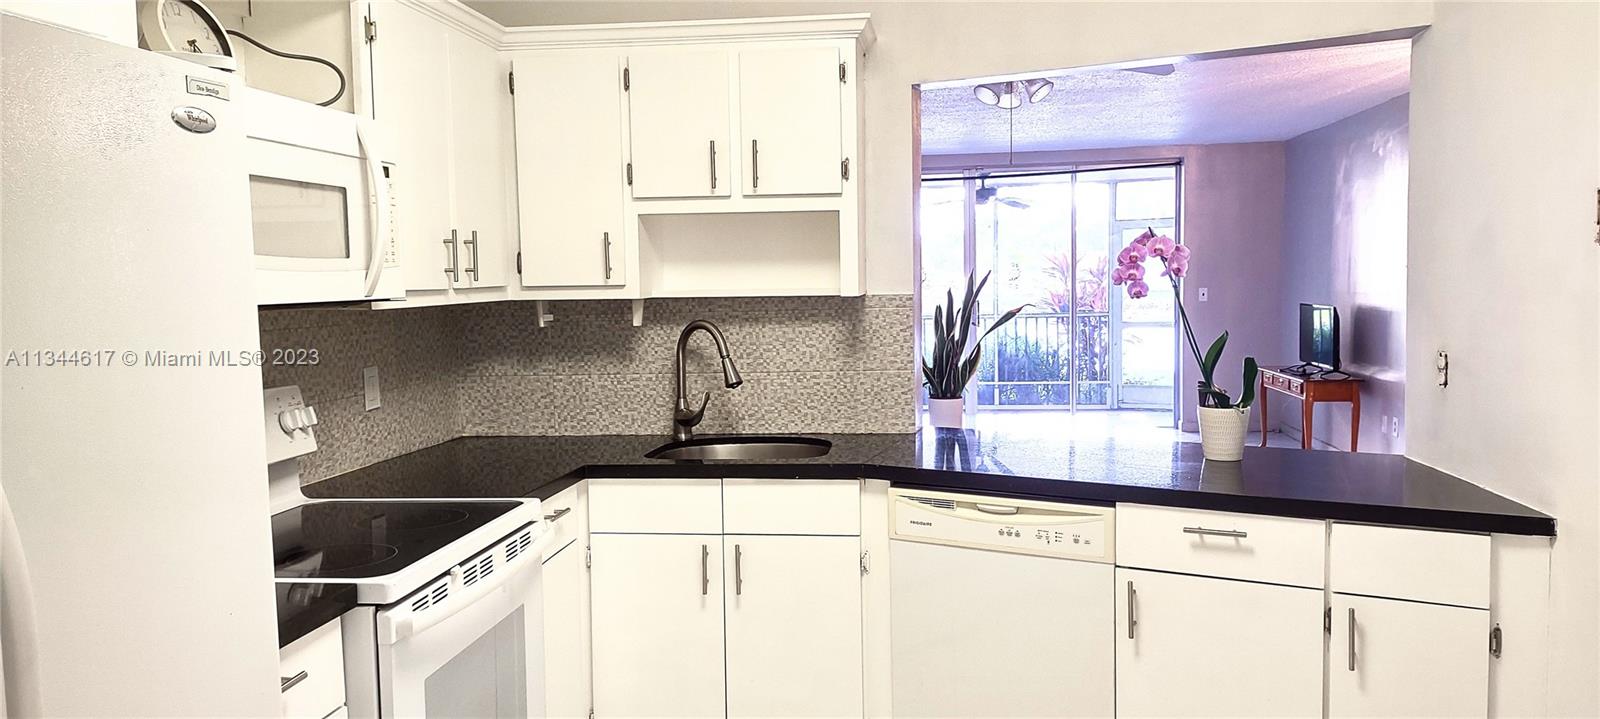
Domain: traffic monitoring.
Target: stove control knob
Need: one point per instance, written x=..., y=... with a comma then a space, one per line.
x=311, y=416
x=286, y=422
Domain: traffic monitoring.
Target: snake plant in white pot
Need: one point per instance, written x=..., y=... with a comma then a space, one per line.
x=951, y=364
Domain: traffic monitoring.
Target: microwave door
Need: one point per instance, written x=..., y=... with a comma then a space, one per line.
x=311, y=218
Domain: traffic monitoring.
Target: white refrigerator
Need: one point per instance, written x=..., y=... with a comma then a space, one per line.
x=136, y=571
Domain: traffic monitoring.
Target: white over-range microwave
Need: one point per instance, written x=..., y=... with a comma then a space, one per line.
x=322, y=204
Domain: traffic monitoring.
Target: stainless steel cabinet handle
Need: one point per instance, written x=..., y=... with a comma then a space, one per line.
x=713, y=164
x=705, y=568
x=738, y=570
x=287, y=683
x=473, y=242
x=1133, y=609
x=755, y=165
x=454, y=268
x=605, y=238
x=1351, y=659
x=562, y=512
x=1202, y=531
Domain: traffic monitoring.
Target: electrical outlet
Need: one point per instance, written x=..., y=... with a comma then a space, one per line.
x=1442, y=365
x=369, y=383
x=1205, y=294
x=1394, y=428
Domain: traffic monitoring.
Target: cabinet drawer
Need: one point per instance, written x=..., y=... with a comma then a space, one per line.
x=1417, y=564
x=565, y=515
x=319, y=656
x=792, y=506
x=1221, y=544
x=655, y=506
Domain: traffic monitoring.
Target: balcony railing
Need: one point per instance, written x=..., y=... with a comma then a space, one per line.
x=1029, y=361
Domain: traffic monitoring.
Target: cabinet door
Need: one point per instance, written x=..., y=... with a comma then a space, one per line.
x=1216, y=647
x=1408, y=659
x=410, y=102
x=789, y=121
x=566, y=660
x=678, y=116
x=794, y=626
x=570, y=168
x=480, y=149
x=657, y=612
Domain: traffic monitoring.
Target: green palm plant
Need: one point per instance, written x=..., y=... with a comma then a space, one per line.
x=951, y=365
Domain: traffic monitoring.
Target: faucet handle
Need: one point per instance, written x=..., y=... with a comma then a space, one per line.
x=689, y=418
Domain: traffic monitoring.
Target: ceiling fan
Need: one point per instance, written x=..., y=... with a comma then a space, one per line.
x=985, y=193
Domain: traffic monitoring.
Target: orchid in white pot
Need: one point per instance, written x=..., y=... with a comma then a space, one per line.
x=1223, y=420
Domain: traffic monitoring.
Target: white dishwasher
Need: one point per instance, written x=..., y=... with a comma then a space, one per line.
x=1001, y=607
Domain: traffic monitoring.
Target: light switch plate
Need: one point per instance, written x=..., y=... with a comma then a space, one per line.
x=369, y=383
x=1205, y=294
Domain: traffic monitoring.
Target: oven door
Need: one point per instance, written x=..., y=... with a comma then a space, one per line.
x=470, y=643
x=320, y=203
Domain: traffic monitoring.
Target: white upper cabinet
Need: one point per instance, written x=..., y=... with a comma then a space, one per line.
x=480, y=162
x=679, y=120
x=570, y=168
x=790, y=119
x=736, y=139
x=409, y=82
x=439, y=97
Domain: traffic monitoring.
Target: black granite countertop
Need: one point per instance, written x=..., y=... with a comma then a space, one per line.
x=1378, y=488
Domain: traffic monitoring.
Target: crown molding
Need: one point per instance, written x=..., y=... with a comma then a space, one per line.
x=853, y=26
x=461, y=17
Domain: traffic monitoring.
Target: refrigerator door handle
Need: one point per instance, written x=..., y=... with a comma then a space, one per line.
x=19, y=645
x=378, y=206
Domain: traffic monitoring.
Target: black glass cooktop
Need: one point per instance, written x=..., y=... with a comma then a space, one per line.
x=360, y=539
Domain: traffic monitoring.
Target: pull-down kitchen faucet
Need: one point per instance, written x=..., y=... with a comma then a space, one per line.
x=683, y=418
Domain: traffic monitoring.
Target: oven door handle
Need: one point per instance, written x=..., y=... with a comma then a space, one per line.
x=402, y=620
x=378, y=206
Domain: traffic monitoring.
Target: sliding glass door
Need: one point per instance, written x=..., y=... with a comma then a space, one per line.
x=1048, y=240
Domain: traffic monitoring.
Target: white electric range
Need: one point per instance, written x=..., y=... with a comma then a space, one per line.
x=448, y=621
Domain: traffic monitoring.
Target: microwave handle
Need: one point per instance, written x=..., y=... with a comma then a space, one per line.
x=378, y=201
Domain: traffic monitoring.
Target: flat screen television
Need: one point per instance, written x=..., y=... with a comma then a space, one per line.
x=1319, y=335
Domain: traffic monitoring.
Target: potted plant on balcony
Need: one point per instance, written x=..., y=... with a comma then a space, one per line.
x=1223, y=420
x=951, y=365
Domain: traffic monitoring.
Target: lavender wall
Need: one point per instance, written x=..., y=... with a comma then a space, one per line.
x=1232, y=217
x=1344, y=231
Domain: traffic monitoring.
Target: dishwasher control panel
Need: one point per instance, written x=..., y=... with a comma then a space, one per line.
x=1050, y=529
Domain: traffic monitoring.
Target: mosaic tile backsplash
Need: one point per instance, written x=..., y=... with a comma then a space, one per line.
x=810, y=364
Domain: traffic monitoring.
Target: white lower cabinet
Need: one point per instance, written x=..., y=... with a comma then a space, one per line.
x=566, y=609
x=657, y=611
x=793, y=626
x=1206, y=647
x=1395, y=658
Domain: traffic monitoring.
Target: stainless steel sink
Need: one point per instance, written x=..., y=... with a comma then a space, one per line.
x=746, y=447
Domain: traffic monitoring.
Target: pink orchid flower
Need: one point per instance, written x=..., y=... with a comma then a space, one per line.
x=1177, y=267
x=1132, y=255
x=1117, y=276
x=1144, y=237
x=1138, y=289
x=1133, y=273
x=1180, y=252
x=1161, y=246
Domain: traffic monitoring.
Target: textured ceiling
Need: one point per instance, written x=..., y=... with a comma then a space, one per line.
x=1252, y=98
